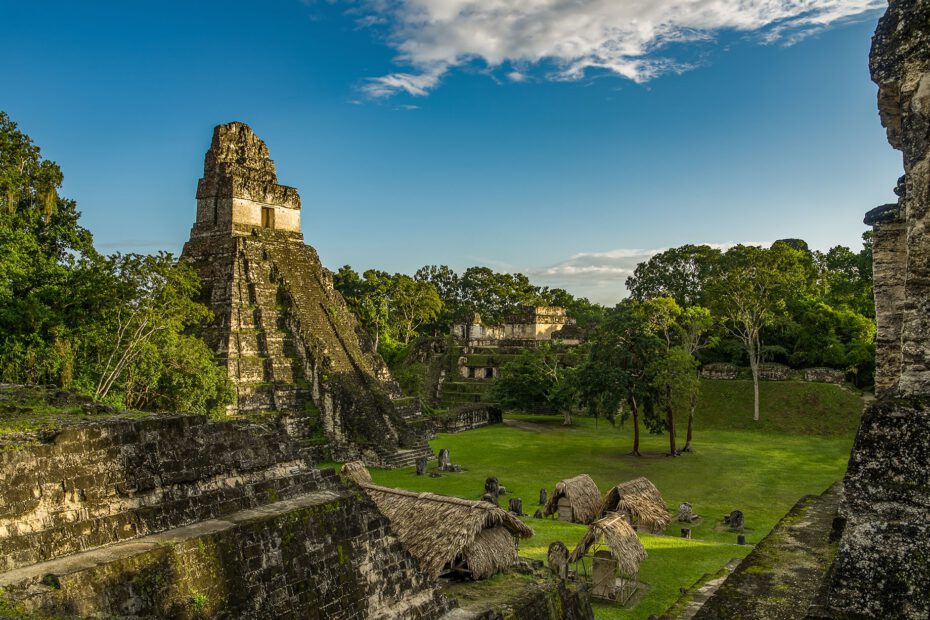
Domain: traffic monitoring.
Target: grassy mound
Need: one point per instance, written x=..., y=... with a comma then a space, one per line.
x=795, y=407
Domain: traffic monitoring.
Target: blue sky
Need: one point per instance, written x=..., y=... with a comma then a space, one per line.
x=566, y=144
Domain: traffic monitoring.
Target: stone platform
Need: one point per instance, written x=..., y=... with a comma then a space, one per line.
x=325, y=554
x=175, y=516
x=782, y=576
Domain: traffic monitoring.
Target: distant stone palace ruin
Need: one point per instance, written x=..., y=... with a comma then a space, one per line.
x=283, y=332
x=530, y=326
x=483, y=349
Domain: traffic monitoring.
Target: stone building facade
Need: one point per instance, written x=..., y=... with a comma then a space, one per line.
x=283, y=332
x=531, y=325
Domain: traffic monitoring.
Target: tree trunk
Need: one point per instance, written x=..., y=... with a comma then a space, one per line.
x=754, y=365
x=670, y=420
x=635, y=410
x=687, y=447
x=568, y=418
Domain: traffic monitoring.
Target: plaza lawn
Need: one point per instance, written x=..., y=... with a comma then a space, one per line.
x=762, y=470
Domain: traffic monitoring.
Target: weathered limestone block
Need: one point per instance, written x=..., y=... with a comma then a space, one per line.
x=900, y=64
x=882, y=567
x=103, y=482
x=883, y=563
x=824, y=375
x=327, y=554
x=773, y=372
x=888, y=247
x=719, y=371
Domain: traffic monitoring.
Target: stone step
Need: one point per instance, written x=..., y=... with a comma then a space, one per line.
x=117, y=551
x=408, y=457
x=782, y=575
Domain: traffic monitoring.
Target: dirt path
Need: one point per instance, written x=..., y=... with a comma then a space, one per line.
x=525, y=426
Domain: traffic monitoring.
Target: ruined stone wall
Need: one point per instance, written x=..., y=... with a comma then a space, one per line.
x=99, y=483
x=175, y=516
x=466, y=418
x=327, y=554
x=882, y=567
x=900, y=64
x=824, y=375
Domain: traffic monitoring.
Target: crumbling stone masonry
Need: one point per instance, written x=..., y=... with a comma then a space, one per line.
x=882, y=567
x=288, y=340
x=173, y=516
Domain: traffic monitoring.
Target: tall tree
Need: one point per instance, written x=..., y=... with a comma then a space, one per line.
x=676, y=381
x=694, y=325
x=615, y=378
x=414, y=303
x=750, y=288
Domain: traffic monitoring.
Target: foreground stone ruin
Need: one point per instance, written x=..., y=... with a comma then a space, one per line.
x=882, y=567
x=176, y=516
x=284, y=333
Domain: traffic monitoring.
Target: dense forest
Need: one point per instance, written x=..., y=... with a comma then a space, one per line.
x=118, y=328
x=123, y=328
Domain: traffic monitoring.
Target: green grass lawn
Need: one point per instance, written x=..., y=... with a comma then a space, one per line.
x=800, y=447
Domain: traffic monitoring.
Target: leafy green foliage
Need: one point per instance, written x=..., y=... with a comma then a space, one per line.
x=540, y=379
x=680, y=273
x=116, y=328
x=495, y=296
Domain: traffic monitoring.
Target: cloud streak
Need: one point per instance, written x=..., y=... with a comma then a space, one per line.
x=571, y=38
x=601, y=276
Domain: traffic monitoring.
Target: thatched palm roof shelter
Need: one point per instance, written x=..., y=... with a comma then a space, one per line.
x=640, y=501
x=446, y=533
x=450, y=533
x=580, y=494
x=620, y=538
x=356, y=472
x=616, y=567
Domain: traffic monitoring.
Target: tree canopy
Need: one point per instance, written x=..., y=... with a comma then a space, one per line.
x=117, y=328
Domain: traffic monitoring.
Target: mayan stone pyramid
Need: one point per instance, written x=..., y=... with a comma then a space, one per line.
x=284, y=333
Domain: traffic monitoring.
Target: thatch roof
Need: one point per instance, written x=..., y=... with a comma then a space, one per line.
x=356, y=472
x=641, y=500
x=619, y=537
x=491, y=551
x=438, y=530
x=584, y=495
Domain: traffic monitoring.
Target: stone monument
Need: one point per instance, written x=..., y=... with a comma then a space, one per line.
x=283, y=332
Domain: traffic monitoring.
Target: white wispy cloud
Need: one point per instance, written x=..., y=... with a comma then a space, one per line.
x=629, y=38
x=601, y=276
